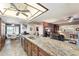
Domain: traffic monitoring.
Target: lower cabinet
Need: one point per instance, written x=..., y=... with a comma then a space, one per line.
x=2, y=42
x=26, y=46
x=29, y=48
x=33, y=50
x=43, y=53
x=22, y=42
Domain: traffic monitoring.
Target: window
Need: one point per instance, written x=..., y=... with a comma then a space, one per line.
x=12, y=30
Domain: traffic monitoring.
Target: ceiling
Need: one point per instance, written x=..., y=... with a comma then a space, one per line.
x=57, y=12
x=26, y=11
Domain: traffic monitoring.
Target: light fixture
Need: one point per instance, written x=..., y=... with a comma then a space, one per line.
x=71, y=19
x=25, y=11
x=12, y=25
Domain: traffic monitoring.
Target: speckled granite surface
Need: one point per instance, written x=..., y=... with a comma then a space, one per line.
x=12, y=48
x=55, y=47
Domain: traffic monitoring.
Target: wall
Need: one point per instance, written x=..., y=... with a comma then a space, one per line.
x=31, y=28
x=23, y=28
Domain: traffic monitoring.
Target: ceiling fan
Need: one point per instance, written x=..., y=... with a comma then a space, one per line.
x=20, y=11
x=70, y=18
x=73, y=18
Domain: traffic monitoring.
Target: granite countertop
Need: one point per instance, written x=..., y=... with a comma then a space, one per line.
x=54, y=47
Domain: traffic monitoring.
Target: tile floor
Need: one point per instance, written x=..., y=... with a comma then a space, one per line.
x=12, y=48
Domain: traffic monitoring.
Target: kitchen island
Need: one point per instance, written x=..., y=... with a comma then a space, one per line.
x=44, y=46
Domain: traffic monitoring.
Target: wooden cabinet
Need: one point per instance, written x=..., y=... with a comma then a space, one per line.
x=22, y=42
x=34, y=50
x=2, y=42
x=42, y=52
x=0, y=26
x=31, y=49
x=2, y=34
x=26, y=45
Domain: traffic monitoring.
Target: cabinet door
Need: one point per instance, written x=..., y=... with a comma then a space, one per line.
x=22, y=42
x=34, y=50
x=42, y=53
x=0, y=44
x=26, y=45
x=29, y=48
